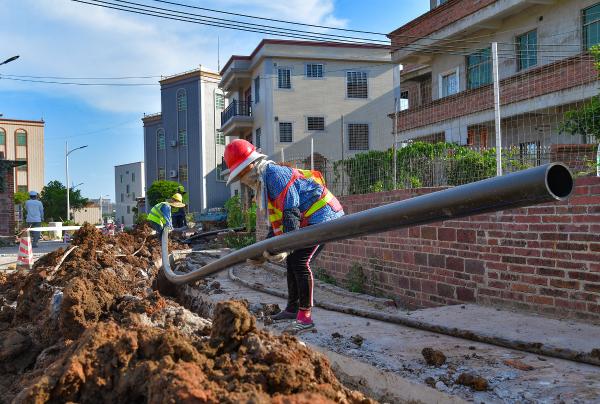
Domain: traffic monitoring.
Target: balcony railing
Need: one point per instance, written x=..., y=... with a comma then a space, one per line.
x=236, y=108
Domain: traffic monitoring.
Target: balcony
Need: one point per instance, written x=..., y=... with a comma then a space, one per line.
x=237, y=118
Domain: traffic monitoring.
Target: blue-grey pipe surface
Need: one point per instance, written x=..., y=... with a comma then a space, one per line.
x=547, y=183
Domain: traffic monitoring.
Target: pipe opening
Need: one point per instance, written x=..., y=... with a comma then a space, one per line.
x=559, y=181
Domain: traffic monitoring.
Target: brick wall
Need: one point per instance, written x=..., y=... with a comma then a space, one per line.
x=7, y=207
x=435, y=20
x=544, y=258
x=553, y=77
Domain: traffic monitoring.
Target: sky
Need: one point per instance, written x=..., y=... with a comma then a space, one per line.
x=64, y=38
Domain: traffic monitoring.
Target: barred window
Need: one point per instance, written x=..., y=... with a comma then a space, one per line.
x=183, y=172
x=479, y=69
x=161, y=174
x=358, y=136
x=219, y=101
x=285, y=132
x=2, y=137
x=527, y=50
x=160, y=139
x=21, y=188
x=220, y=137
x=182, y=137
x=257, y=139
x=23, y=167
x=449, y=84
x=315, y=123
x=591, y=26
x=284, y=78
x=356, y=85
x=181, y=100
x=314, y=70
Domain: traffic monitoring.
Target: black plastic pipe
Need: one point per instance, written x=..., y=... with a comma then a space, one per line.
x=547, y=183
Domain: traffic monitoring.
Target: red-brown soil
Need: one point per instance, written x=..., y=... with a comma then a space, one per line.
x=95, y=331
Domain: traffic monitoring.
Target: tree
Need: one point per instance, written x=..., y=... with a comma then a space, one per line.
x=54, y=199
x=586, y=119
x=162, y=190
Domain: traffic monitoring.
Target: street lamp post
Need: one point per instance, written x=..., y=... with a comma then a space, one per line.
x=67, y=152
x=101, y=218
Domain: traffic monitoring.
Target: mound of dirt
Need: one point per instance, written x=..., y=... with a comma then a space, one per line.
x=93, y=330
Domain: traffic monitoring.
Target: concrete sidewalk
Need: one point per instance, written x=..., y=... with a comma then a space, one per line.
x=8, y=255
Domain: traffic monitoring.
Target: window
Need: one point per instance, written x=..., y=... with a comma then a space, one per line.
x=477, y=137
x=123, y=219
x=181, y=100
x=21, y=188
x=2, y=137
x=160, y=140
x=22, y=168
x=257, y=138
x=122, y=197
x=403, y=100
x=219, y=101
x=358, y=136
x=314, y=70
x=220, y=137
x=219, y=171
x=183, y=172
x=256, y=90
x=132, y=177
x=133, y=196
x=285, y=132
x=161, y=173
x=591, y=26
x=530, y=153
x=449, y=84
x=21, y=136
x=356, y=85
x=527, y=50
x=479, y=69
x=128, y=209
x=121, y=178
x=283, y=78
x=127, y=189
x=315, y=123
x=182, y=137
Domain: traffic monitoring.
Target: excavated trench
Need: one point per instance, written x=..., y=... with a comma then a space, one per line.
x=91, y=324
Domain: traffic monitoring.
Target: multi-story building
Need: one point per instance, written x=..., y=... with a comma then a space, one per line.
x=182, y=144
x=288, y=94
x=129, y=185
x=23, y=140
x=543, y=67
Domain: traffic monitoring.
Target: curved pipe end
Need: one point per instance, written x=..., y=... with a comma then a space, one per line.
x=559, y=181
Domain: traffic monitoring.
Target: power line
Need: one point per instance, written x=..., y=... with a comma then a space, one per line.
x=81, y=78
x=2, y=77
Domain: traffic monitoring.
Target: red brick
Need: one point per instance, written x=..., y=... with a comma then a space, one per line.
x=436, y=260
x=474, y=267
x=428, y=232
x=465, y=294
x=519, y=287
x=551, y=272
x=562, y=284
x=466, y=236
x=455, y=263
x=445, y=290
x=540, y=300
x=553, y=292
x=585, y=276
x=592, y=288
x=446, y=234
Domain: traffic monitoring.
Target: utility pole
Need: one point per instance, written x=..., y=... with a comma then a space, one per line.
x=67, y=152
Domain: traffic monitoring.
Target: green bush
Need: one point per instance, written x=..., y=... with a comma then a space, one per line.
x=237, y=216
x=356, y=279
x=239, y=240
x=161, y=190
x=322, y=275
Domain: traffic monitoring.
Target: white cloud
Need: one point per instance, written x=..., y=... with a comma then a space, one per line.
x=68, y=39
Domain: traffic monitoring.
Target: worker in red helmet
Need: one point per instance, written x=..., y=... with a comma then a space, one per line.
x=293, y=199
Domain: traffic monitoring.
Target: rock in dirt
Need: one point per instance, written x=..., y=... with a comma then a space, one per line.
x=475, y=382
x=430, y=381
x=517, y=364
x=357, y=340
x=336, y=335
x=433, y=357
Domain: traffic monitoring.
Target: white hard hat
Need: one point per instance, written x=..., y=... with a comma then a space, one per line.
x=32, y=193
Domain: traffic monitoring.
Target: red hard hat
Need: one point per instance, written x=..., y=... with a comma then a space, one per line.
x=238, y=155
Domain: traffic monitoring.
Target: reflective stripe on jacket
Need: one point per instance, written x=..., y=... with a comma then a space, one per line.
x=160, y=214
x=276, y=206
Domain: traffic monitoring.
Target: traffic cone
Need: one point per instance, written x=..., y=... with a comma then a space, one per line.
x=25, y=257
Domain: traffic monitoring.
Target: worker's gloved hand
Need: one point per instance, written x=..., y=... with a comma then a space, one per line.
x=276, y=258
x=258, y=261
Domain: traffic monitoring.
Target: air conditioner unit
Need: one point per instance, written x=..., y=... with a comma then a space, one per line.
x=173, y=173
x=173, y=143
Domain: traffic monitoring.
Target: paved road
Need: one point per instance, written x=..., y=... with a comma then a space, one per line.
x=9, y=255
